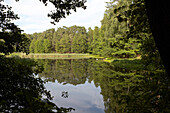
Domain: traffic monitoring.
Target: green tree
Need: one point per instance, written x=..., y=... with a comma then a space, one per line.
x=139, y=30
x=80, y=41
x=16, y=41
x=24, y=91
x=113, y=32
x=74, y=45
x=47, y=46
x=50, y=35
x=57, y=47
x=90, y=39
x=65, y=44
x=10, y=35
x=32, y=46
x=39, y=48
x=95, y=40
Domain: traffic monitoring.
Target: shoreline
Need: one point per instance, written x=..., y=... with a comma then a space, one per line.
x=66, y=56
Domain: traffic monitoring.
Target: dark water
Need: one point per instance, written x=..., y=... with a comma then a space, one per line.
x=87, y=85
x=91, y=86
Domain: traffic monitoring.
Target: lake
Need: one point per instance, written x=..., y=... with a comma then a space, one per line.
x=94, y=86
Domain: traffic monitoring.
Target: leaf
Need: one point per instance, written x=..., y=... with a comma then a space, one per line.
x=120, y=19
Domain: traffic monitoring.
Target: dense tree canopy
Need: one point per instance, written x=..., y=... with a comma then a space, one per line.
x=63, y=40
x=120, y=35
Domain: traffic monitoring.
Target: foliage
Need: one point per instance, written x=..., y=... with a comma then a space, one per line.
x=125, y=33
x=63, y=40
x=47, y=46
x=79, y=44
x=139, y=29
x=108, y=41
x=32, y=46
x=115, y=30
x=21, y=91
x=63, y=8
x=11, y=38
x=124, y=54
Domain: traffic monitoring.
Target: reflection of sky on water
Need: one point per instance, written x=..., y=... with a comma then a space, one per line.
x=84, y=98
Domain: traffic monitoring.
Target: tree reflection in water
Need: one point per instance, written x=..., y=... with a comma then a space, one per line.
x=124, y=90
x=21, y=91
x=64, y=94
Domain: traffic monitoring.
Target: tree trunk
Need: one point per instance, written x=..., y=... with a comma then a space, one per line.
x=159, y=19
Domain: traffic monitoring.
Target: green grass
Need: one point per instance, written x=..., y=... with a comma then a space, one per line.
x=96, y=56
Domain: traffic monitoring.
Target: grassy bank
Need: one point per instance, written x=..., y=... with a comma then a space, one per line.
x=115, y=59
x=51, y=55
x=65, y=56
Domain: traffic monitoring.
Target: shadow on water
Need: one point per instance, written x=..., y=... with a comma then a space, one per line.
x=131, y=89
x=21, y=91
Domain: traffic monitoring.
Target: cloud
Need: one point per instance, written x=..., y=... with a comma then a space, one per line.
x=33, y=15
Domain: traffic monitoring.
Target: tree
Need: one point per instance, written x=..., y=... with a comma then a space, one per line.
x=90, y=39
x=10, y=35
x=79, y=44
x=74, y=45
x=47, y=46
x=112, y=41
x=50, y=35
x=95, y=42
x=24, y=92
x=21, y=91
x=39, y=48
x=57, y=47
x=160, y=24
x=65, y=44
x=63, y=8
x=140, y=29
x=32, y=46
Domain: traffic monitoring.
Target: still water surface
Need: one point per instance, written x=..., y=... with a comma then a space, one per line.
x=84, y=98
x=91, y=86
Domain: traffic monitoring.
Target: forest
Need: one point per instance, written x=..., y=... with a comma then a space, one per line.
x=120, y=35
x=127, y=83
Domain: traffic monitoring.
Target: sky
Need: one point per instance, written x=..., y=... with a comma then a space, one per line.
x=33, y=15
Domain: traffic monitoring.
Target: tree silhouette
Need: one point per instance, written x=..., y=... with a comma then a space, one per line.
x=159, y=20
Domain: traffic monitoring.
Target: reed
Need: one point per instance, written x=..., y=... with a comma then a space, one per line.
x=52, y=55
